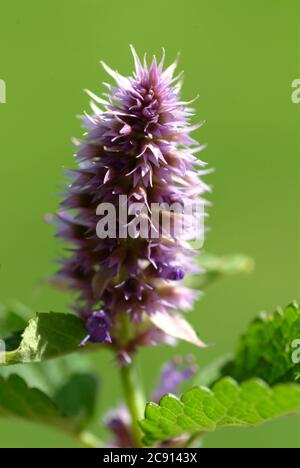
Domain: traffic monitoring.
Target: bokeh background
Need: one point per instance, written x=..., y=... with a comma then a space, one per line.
x=241, y=57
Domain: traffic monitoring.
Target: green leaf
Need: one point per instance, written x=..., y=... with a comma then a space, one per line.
x=70, y=409
x=77, y=398
x=227, y=404
x=47, y=336
x=267, y=349
x=215, y=267
x=71, y=406
x=69, y=382
x=49, y=375
x=19, y=401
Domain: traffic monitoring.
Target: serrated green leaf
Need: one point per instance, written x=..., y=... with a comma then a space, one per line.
x=266, y=349
x=227, y=404
x=47, y=336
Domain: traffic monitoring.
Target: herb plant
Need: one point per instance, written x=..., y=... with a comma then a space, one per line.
x=133, y=291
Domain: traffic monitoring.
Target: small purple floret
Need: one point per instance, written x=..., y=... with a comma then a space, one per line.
x=98, y=325
x=174, y=273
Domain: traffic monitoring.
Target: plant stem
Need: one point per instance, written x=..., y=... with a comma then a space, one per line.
x=134, y=400
x=89, y=440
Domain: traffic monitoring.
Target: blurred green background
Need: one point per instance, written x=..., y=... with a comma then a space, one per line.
x=241, y=57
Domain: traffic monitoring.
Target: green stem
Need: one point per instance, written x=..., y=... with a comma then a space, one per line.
x=89, y=440
x=134, y=400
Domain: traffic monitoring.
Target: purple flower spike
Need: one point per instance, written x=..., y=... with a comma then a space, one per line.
x=98, y=325
x=137, y=144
